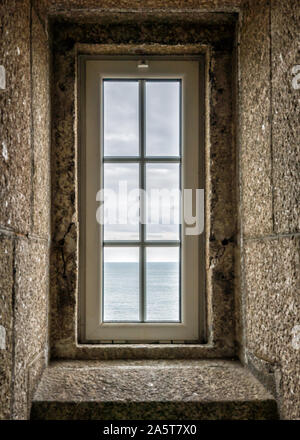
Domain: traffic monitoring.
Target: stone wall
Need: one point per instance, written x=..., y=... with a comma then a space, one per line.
x=267, y=258
x=269, y=188
x=24, y=208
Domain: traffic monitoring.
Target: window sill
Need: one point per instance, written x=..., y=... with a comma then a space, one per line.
x=70, y=350
x=205, y=389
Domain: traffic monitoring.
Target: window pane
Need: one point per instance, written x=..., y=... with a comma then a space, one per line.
x=121, y=208
x=162, y=118
x=121, y=120
x=162, y=284
x=162, y=203
x=121, y=284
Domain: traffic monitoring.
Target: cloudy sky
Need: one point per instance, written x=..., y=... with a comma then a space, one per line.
x=121, y=118
x=121, y=138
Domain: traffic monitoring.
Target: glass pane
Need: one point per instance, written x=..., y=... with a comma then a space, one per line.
x=121, y=119
x=121, y=284
x=162, y=118
x=121, y=206
x=163, y=201
x=162, y=284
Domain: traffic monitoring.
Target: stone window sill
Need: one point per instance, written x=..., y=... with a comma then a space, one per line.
x=164, y=389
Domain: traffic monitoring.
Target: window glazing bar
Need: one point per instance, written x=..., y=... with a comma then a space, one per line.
x=126, y=243
x=142, y=201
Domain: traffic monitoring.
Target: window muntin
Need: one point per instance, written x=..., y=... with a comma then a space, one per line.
x=96, y=329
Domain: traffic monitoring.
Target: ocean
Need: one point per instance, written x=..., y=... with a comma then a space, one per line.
x=121, y=291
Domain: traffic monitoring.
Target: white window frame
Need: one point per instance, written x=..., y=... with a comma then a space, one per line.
x=92, y=72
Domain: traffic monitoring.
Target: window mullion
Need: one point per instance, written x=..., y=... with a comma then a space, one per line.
x=142, y=200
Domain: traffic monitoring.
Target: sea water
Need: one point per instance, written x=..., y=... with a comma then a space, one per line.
x=121, y=291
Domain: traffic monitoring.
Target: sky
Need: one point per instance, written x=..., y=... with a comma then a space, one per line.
x=121, y=138
x=121, y=118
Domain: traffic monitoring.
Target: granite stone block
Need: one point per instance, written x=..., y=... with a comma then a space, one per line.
x=15, y=117
x=6, y=321
x=41, y=129
x=285, y=19
x=31, y=320
x=255, y=124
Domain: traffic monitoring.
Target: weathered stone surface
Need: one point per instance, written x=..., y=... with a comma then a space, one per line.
x=15, y=117
x=35, y=371
x=271, y=266
x=255, y=128
x=23, y=203
x=270, y=194
x=285, y=19
x=221, y=193
x=286, y=285
x=221, y=163
x=55, y=6
x=263, y=370
x=222, y=222
x=156, y=389
x=289, y=386
x=67, y=348
x=222, y=299
x=41, y=129
x=6, y=321
x=41, y=10
x=261, y=304
x=273, y=310
x=249, y=410
x=271, y=282
x=30, y=315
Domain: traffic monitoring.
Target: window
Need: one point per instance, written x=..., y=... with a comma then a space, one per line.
x=139, y=251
